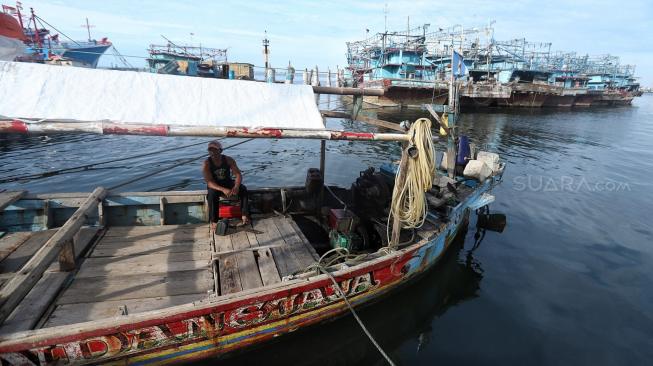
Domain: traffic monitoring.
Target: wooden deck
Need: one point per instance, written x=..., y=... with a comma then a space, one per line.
x=262, y=255
x=133, y=269
x=138, y=268
x=15, y=250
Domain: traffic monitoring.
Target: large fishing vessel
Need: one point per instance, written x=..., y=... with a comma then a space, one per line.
x=187, y=60
x=412, y=67
x=139, y=278
x=44, y=47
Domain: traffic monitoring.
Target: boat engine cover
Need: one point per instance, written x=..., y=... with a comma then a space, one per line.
x=370, y=192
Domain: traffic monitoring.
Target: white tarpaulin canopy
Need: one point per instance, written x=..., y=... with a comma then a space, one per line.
x=36, y=91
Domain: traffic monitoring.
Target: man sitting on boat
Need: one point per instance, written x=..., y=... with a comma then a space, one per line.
x=217, y=171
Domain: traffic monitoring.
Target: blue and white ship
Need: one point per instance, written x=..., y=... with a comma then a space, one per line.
x=44, y=47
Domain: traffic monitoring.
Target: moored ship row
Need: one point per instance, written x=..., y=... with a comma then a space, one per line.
x=414, y=66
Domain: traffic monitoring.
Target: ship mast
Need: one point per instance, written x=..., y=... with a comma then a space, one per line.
x=266, y=50
x=19, y=7
x=36, y=29
x=88, y=29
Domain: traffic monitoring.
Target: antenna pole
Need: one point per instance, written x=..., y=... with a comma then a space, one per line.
x=266, y=50
x=385, y=18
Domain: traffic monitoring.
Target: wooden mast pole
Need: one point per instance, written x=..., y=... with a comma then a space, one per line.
x=111, y=128
x=451, y=119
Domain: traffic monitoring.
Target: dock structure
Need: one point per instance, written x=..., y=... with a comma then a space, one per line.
x=413, y=67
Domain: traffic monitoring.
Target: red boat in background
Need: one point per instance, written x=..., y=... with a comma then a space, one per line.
x=11, y=38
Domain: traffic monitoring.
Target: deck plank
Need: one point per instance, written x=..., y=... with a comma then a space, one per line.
x=7, y=198
x=145, y=232
x=250, y=276
x=302, y=237
x=267, y=266
x=15, y=261
x=138, y=286
x=76, y=313
x=147, y=264
x=29, y=311
x=140, y=240
x=177, y=236
x=10, y=241
x=286, y=262
x=294, y=241
x=163, y=247
x=227, y=266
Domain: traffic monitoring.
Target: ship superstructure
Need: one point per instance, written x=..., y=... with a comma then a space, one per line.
x=414, y=67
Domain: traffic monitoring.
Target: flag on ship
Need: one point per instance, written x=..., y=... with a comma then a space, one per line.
x=459, y=68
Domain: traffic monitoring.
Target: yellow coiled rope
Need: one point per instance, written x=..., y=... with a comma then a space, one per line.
x=408, y=199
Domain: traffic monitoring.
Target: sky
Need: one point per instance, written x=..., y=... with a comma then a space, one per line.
x=310, y=33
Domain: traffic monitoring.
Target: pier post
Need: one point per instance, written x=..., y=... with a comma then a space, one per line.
x=305, y=77
x=338, y=84
x=328, y=81
x=315, y=80
x=290, y=74
x=269, y=75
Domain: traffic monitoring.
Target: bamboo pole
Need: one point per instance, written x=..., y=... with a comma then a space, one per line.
x=348, y=91
x=16, y=289
x=111, y=128
x=365, y=119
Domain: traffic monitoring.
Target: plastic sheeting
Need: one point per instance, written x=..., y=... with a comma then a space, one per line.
x=35, y=91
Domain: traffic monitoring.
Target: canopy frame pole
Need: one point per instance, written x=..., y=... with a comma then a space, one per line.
x=112, y=128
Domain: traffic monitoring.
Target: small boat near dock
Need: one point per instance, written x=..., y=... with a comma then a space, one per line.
x=140, y=277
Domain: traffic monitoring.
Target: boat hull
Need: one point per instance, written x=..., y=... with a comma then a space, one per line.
x=565, y=101
x=225, y=324
x=86, y=56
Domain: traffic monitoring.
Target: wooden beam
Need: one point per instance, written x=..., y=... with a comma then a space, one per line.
x=380, y=123
x=348, y=91
x=216, y=255
x=112, y=128
x=335, y=114
x=67, y=256
x=437, y=118
x=34, y=305
x=369, y=120
x=16, y=289
x=162, y=210
x=47, y=213
x=7, y=198
x=323, y=159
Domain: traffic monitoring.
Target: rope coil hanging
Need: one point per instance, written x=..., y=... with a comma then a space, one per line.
x=409, y=203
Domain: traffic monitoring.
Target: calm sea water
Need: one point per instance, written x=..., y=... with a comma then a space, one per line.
x=570, y=280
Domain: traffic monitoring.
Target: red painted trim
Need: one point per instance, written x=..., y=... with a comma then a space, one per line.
x=117, y=129
x=14, y=126
x=353, y=135
x=392, y=275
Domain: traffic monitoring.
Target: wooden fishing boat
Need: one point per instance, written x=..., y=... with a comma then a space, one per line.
x=139, y=278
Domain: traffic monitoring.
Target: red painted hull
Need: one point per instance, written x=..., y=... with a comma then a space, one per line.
x=237, y=321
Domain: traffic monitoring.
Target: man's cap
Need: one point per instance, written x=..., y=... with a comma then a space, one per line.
x=215, y=144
